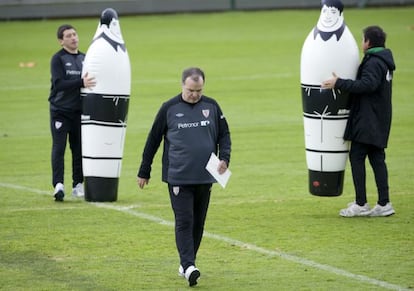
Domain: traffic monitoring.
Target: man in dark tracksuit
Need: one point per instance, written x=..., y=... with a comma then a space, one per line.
x=65, y=109
x=193, y=126
x=369, y=122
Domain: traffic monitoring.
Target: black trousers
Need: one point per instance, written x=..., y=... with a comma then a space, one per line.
x=64, y=125
x=376, y=156
x=190, y=205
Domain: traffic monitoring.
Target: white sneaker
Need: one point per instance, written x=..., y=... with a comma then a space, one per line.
x=379, y=210
x=59, y=192
x=181, y=271
x=78, y=191
x=192, y=274
x=354, y=209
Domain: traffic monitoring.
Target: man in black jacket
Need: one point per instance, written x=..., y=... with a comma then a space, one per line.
x=369, y=123
x=192, y=126
x=65, y=109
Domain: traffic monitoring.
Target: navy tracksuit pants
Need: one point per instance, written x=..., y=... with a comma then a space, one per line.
x=376, y=157
x=190, y=205
x=64, y=125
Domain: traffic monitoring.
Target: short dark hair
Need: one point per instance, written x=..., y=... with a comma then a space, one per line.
x=193, y=72
x=334, y=3
x=375, y=35
x=62, y=28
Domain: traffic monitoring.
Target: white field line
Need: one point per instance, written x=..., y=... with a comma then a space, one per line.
x=302, y=261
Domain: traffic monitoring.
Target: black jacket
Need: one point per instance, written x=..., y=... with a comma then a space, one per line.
x=191, y=132
x=370, y=111
x=66, y=70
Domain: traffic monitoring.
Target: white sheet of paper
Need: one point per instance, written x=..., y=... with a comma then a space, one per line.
x=212, y=166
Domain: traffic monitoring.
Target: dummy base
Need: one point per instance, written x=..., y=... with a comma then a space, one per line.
x=99, y=189
x=327, y=184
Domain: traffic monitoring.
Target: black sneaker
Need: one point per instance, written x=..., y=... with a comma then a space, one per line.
x=59, y=196
x=59, y=192
x=192, y=274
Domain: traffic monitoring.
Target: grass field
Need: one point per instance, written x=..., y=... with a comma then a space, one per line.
x=264, y=231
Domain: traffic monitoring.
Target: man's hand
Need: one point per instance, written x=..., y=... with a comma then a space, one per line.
x=222, y=167
x=88, y=81
x=142, y=182
x=330, y=83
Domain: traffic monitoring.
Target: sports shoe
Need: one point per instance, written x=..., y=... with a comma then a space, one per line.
x=181, y=271
x=59, y=192
x=192, y=274
x=354, y=209
x=379, y=210
x=78, y=191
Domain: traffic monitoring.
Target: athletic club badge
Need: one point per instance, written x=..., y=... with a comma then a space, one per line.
x=176, y=190
x=58, y=124
x=206, y=112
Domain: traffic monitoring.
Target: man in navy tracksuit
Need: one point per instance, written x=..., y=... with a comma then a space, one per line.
x=192, y=126
x=369, y=123
x=65, y=109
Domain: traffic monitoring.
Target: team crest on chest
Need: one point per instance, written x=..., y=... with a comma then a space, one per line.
x=206, y=112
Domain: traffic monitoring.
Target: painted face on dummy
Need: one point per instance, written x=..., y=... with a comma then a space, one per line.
x=115, y=29
x=192, y=90
x=109, y=25
x=330, y=19
x=70, y=41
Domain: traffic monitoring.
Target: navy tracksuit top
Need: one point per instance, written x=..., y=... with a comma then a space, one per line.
x=191, y=132
x=66, y=70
